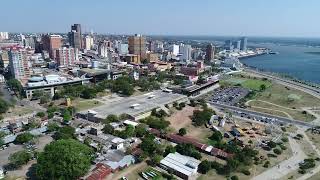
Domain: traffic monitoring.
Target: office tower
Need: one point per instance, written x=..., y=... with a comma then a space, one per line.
x=185, y=51
x=29, y=42
x=51, y=43
x=174, y=49
x=65, y=56
x=18, y=63
x=88, y=42
x=152, y=46
x=123, y=49
x=75, y=36
x=209, y=53
x=228, y=45
x=103, y=49
x=4, y=35
x=54, y=44
x=244, y=42
x=159, y=47
x=237, y=44
x=137, y=45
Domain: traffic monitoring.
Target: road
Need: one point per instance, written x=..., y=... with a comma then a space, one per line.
x=285, y=167
x=259, y=114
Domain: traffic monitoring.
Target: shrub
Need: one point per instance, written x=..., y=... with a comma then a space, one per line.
x=272, y=144
x=284, y=139
x=277, y=151
x=246, y=172
x=283, y=147
x=272, y=155
x=234, y=177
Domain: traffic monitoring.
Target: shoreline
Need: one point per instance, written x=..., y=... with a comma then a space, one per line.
x=282, y=75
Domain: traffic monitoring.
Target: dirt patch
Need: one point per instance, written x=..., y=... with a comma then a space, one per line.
x=181, y=119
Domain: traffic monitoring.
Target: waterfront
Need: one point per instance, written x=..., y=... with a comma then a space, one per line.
x=291, y=60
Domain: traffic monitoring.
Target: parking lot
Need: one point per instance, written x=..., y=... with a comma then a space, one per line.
x=229, y=96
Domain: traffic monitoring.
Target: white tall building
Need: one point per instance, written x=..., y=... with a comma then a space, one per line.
x=103, y=49
x=19, y=63
x=185, y=51
x=123, y=49
x=88, y=42
x=174, y=49
x=4, y=35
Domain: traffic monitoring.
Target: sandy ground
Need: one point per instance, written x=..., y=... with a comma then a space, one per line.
x=181, y=119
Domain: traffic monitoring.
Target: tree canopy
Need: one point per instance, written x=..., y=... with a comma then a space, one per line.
x=19, y=158
x=64, y=159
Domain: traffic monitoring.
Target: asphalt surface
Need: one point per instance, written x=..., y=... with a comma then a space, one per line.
x=267, y=118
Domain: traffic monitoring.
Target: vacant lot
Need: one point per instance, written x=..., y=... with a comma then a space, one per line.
x=181, y=119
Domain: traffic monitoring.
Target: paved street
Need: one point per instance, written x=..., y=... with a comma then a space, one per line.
x=285, y=167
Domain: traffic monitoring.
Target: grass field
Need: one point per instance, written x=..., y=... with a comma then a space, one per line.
x=281, y=111
x=253, y=84
x=81, y=105
x=17, y=111
x=280, y=95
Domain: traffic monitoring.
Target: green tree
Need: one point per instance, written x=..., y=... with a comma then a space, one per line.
x=182, y=131
x=108, y=129
x=66, y=132
x=53, y=127
x=19, y=158
x=111, y=118
x=4, y=106
x=66, y=115
x=263, y=87
x=140, y=130
x=64, y=159
x=41, y=114
x=169, y=149
x=204, y=167
x=216, y=136
x=23, y=138
x=148, y=145
x=200, y=118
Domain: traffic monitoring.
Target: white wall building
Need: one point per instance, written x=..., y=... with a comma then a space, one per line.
x=185, y=51
x=123, y=48
x=18, y=63
x=174, y=49
x=4, y=35
x=88, y=42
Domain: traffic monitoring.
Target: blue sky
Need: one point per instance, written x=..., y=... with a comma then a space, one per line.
x=165, y=17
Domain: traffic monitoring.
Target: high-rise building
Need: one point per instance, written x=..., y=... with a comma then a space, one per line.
x=88, y=42
x=29, y=43
x=4, y=58
x=75, y=36
x=185, y=51
x=237, y=44
x=209, y=53
x=228, y=45
x=159, y=47
x=54, y=44
x=51, y=43
x=103, y=49
x=4, y=35
x=174, y=49
x=244, y=42
x=66, y=56
x=123, y=48
x=18, y=61
x=137, y=45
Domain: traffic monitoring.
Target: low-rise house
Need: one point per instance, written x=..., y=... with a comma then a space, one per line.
x=100, y=172
x=117, y=160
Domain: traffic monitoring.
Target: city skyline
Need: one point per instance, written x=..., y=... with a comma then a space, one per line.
x=204, y=18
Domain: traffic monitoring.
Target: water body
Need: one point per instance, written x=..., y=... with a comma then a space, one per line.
x=296, y=61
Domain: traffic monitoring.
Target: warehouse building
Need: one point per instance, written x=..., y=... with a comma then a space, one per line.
x=183, y=166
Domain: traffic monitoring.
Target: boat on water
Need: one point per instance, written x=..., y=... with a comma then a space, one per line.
x=272, y=52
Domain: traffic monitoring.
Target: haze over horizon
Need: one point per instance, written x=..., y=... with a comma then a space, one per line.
x=286, y=18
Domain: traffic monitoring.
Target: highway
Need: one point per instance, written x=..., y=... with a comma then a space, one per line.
x=258, y=115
